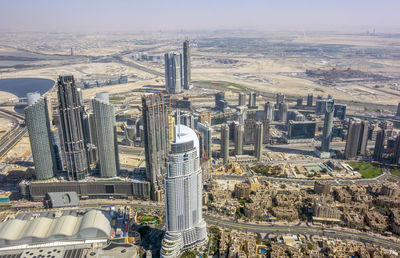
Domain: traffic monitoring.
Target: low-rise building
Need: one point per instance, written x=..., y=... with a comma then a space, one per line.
x=242, y=191
x=376, y=220
x=322, y=187
x=253, y=210
x=285, y=213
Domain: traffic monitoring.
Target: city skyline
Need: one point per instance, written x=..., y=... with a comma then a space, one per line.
x=201, y=15
x=200, y=129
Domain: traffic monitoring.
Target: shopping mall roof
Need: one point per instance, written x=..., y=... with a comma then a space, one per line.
x=92, y=224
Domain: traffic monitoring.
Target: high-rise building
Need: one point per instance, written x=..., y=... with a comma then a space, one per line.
x=282, y=112
x=70, y=109
x=205, y=117
x=259, y=141
x=299, y=102
x=186, y=65
x=242, y=99
x=238, y=139
x=320, y=106
x=225, y=143
x=396, y=154
x=241, y=114
x=252, y=100
x=340, y=112
x=300, y=130
x=379, y=145
x=90, y=137
x=398, y=110
x=310, y=99
x=294, y=115
x=353, y=138
x=220, y=101
x=250, y=135
x=279, y=99
x=106, y=131
x=40, y=137
x=173, y=73
x=185, y=227
x=328, y=123
x=156, y=138
x=232, y=130
x=269, y=111
x=363, y=142
x=205, y=141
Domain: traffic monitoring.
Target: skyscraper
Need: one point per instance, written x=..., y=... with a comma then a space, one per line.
x=71, y=119
x=269, y=111
x=250, y=131
x=40, y=137
x=299, y=102
x=340, y=112
x=156, y=138
x=173, y=72
x=353, y=138
x=225, y=143
x=328, y=123
x=186, y=65
x=238, y=139
x=242, y=99
x=259, y=141
x=252, y=100
x=279, y=99
x=220, y=101
x=363, y=142
x=106, y=131
x=283, y=109
x=320, y=106
x=310, y=99
x=398, y=110
x=379, y=145
x=205, y=142
x=185, y=227
x=396, y=154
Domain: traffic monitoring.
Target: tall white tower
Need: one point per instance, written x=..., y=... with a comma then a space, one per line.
x=183, y=195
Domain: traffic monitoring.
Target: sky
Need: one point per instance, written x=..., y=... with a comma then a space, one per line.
x=142, y=15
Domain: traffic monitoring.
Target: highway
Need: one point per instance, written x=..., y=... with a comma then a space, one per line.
x=13, y=136
x=137, y=66
x=305, y=230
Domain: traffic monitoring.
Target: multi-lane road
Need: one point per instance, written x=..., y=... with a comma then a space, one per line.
x=340, y=233
x=291, y=229
x=304, y=230
x=14, y=135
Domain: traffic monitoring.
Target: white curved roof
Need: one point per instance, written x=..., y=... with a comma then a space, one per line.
x=186, y=134
x=68, y=226
x=37, y=228
x=11, y=229
x=64, y=226
x=94, y=220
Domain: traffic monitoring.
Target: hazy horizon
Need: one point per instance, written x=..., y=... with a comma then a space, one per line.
x=119, y=15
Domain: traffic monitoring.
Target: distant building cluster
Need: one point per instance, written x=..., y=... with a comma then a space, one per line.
x=177, y=70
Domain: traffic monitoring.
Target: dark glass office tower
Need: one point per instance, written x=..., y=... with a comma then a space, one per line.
x=379, y=145
x=71, y=126
x=186, y=65
x=328, y=123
